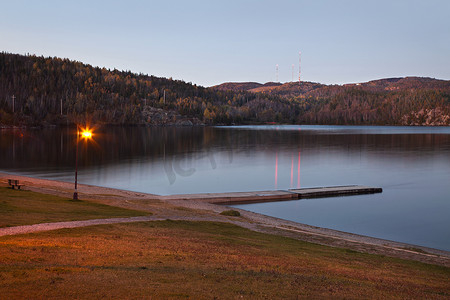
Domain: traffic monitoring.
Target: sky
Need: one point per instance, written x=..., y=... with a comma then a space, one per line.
x=211, y=42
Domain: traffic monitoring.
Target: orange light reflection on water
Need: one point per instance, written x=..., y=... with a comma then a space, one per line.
x=298, y=171
x=276, y=170
x=292, y=171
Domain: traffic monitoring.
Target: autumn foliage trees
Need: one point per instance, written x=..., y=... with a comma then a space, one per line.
x=38, y=90
x=53, y=90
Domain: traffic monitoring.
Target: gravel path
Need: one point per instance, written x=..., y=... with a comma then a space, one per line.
x=70, y=224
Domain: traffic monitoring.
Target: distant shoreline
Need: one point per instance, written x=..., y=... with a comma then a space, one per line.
x=16, y=127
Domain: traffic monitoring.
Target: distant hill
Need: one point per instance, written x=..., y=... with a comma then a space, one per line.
x=40, y=91
x=405, y=83
x=305, y=87
x=236, y=86
x=394, y=101
x=288, y=89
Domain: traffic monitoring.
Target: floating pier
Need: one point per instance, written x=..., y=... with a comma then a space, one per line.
x=277, y=195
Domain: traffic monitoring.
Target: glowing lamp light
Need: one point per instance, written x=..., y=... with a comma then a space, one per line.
x=86, y=134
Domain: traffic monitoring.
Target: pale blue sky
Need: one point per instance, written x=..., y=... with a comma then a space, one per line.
x=210, y=42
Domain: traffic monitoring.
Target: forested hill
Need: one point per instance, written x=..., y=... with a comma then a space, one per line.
x=305, y=87
x=39, y=91
x=59, y=91
x=391, y=101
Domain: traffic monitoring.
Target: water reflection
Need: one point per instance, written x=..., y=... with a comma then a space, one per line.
x=181, y=153
x=292, y=176
x=412, y=165
x=298, y=171
x=276, y=170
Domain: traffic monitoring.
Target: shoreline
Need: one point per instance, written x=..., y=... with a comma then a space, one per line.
x=191, y=209
x=52, y=126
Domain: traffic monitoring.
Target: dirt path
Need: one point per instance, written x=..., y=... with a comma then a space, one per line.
x=70, y=224
x=164, y=208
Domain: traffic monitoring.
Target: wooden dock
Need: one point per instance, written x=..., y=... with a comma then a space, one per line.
x=335, y=191
x=277, y=195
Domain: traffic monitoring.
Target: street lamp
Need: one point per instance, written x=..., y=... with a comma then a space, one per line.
x=86, y=133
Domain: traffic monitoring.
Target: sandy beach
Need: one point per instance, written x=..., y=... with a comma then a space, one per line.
x=196, y=208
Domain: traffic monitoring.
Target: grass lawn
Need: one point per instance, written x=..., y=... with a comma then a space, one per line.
x=201, y=260
x=21, y=207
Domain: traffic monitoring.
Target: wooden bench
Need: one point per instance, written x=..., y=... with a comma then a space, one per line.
x=14, y=183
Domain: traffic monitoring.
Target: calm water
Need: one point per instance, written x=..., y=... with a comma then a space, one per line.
x=411, y=164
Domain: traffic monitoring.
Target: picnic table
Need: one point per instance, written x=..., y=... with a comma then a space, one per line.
x=14, y=183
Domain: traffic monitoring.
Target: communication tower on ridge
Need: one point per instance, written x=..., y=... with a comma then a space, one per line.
x=299, y=66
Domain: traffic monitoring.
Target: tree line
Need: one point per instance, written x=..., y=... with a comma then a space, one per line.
x=37, y=90
x=54, y=90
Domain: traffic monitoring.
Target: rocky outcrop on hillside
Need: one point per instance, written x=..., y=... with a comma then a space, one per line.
x=158, y=117
x=427, y=117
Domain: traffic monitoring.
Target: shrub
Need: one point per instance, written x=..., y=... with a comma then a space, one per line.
x=233, y=213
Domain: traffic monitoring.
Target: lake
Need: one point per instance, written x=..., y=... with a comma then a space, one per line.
x=411, y=164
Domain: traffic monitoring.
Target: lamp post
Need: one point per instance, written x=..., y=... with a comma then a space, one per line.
x=87, y=134
x=75, y=193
